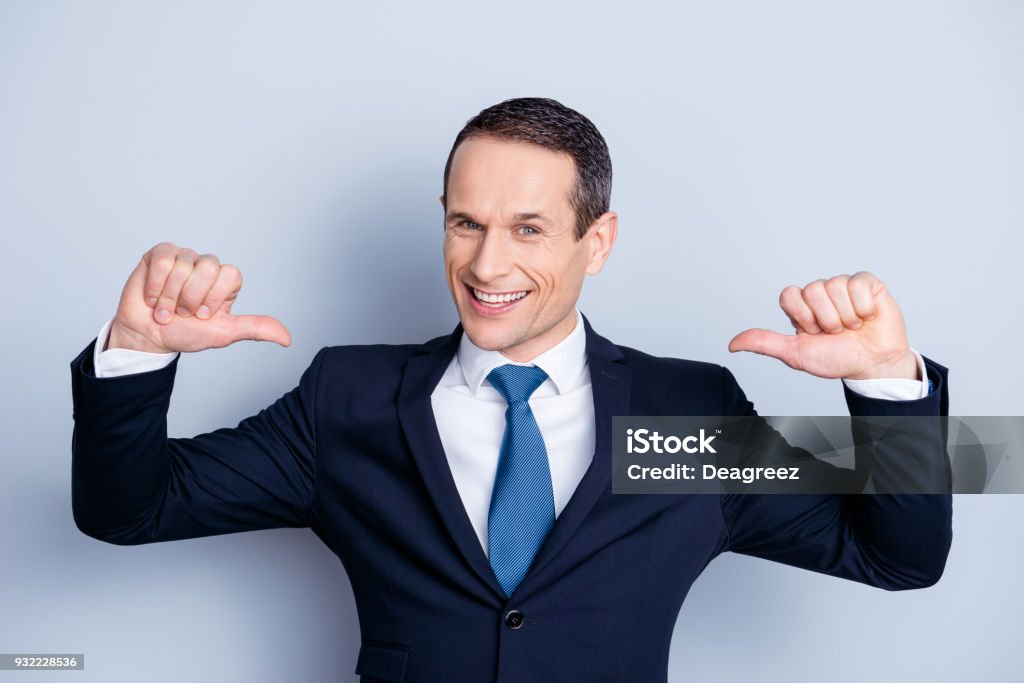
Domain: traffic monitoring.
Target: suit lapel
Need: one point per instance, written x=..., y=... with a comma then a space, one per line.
x=416, y=416
x=610, y=381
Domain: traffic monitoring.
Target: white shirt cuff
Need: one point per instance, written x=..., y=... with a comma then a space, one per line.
x=118, y=362
x=893, y=389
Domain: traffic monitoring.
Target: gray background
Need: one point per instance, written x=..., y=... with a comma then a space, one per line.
x=755, y=145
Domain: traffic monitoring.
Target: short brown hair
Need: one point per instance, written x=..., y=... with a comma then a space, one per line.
x=550, y=124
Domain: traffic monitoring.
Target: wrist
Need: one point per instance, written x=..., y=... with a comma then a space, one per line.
x=121, y=337
x=903, y=367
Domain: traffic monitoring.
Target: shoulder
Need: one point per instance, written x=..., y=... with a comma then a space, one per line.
x=373, y=360
x=644, y=364
x=370, y=354
x=363, y=378
x=683, y=386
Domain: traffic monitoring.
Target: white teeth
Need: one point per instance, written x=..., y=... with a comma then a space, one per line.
x=497, y=298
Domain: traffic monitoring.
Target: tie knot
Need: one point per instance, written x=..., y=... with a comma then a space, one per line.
x=516, y=382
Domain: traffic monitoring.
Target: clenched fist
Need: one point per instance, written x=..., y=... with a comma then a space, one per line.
x=846, y=327
x=177, y=300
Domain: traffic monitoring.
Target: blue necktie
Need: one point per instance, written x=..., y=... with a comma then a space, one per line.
x=522, y=503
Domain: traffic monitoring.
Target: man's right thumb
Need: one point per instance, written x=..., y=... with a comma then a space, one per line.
x=259, y=328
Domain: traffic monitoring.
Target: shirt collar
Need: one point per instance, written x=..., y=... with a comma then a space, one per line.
x=563, y=362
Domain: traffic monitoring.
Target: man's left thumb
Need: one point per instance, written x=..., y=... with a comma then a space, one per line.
x=765, y=342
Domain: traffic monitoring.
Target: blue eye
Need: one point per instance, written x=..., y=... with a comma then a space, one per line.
x=529, y=230
x=471, y=225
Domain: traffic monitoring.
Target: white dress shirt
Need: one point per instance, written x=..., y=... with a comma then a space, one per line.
x=470, y=416
x=470, y=413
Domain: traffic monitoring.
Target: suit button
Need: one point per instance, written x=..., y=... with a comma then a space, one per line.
x=514, y=619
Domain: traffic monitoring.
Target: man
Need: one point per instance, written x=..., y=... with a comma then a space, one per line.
x=465, y=482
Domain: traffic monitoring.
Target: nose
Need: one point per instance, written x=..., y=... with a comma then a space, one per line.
x=492, y=258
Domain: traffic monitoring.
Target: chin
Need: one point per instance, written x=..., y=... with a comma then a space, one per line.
x=487, y=342
x=488, y=339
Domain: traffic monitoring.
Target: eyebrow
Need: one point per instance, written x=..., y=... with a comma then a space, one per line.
x=529, y=217
x=456, y=215
x=522, y=216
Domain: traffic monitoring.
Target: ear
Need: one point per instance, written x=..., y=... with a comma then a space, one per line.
x=600, y=240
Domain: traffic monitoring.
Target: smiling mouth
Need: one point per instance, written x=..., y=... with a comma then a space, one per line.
x=496, y=300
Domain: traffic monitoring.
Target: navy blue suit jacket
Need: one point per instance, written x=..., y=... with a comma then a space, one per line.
x=354, y=454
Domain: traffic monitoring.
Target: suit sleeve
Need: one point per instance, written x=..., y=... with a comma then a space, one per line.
x=131, y=484
x=893, y=541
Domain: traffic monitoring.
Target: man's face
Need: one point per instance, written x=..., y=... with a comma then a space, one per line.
x=513, y=266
